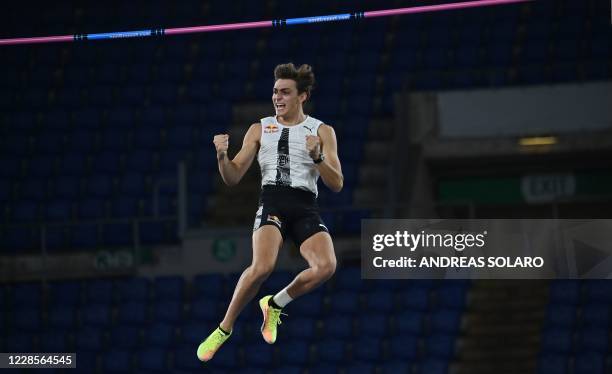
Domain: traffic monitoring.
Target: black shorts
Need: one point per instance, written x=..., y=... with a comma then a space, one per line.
x=295, y=212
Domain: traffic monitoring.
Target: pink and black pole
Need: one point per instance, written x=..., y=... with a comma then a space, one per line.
x=259, y=24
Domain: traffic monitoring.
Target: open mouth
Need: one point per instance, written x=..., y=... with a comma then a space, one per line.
x=280, y=106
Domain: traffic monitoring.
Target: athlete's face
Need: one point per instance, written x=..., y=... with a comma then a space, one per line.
x=285, y=97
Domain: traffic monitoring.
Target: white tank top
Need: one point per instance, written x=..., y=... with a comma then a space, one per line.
x=283, y=158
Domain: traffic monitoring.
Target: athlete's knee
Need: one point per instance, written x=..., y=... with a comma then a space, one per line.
x=325, y=270
x=261, y=272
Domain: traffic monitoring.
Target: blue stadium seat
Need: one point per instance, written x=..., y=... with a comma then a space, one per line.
x=58, y=210
x=124, y=207
x=107, y=162
x=64, y=293
x=133, y=313
x=87, y=118
x=169, y=311
x=288, y=369
x=171, y=72
x=21, y=238
x=125, y=337
x=108, y=74
x=73, y=164
x=19, y=342
x=589, y=363
x=451, y=295
x=433, y=366
x=308, y=306
x=56, y=237
x=114, y=140
x=598, y=291
x=132, y=94
x=91, y=209
x=169, y=288
x=33, y=190
x=368, y=348
x=204, y=310
x=62, y=317
x=338, y=326
x=41, y=167
x=415, y=298
x=47, y=144
x=160, y=335
x=395, y=367
x=169, y=159
x=56, y=120
x=118, y=234
x=561, y=315
x=25, y=212
x=304, y=328
x=446, y=321
x=66, y=187
x=26, y=319
x=81, y=141
x=372, y=324
x=404, y=346
x=133, y=289
x=84, y=236
x=152, y=360
x=9, y=168
x=116, y=361
x=600, y=48
x=298, y=354
x=99, y=292
x=557, y=340
x=89, y=339
x=27, y=295
x=440, y=345
x=324, y=369
x=16, y=145
x=132, y=184
x=185, y=359
x=553, y=364
x=100, y=186
x=259, y=355
x=180, y=136
x=345, y=302
x=564, y=292
x=164, y=93
x=348, y=279
x=139, y=160
x=332, y=351
x=207, y=286
x=409, y=322
x=499, y=55
x=96, y=315
x=153, y=233
x=53, y=341
x=597, y=315
x=592, y=339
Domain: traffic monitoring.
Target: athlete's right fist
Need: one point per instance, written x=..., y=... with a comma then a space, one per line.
x=221, y=142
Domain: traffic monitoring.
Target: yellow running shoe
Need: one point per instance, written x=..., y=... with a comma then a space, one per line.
x=211, y=345
x=271, y=319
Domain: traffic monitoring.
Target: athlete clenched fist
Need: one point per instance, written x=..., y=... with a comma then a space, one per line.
x=221, y=142
x=313, y=146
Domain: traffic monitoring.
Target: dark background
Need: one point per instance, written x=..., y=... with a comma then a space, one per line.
x=91, y=134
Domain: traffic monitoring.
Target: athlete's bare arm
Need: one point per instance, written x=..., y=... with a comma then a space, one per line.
x=330, y=169
x=232, y=171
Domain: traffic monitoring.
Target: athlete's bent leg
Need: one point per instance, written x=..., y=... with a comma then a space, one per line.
x=318, y=251
x=267, y=241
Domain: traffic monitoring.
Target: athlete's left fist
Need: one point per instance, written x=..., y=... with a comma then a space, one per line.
x=313, y=146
